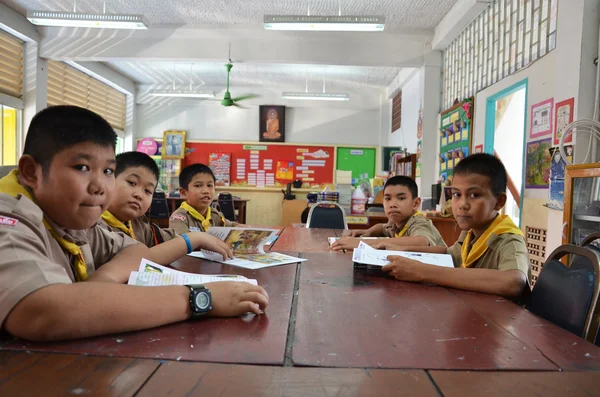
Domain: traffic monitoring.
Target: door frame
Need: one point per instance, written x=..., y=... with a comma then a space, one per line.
x=490, y=127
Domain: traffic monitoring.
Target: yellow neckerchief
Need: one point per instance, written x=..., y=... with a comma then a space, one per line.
x=192, y=211
x=10, y=185
x=112, y=221
x=501, y=225
x=402, y=232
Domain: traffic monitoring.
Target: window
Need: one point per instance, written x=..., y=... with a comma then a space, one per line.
x=11, y=66
x=506, y=37
x=69, y=86
x=9, y=128
x=120, y=145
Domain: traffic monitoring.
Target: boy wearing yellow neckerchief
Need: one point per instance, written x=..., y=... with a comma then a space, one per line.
x=136, y=178
x=491, y=255
x=197, y=187
x=62, y=275
x=406, y=226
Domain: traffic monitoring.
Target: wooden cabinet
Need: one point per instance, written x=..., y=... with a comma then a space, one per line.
x=582, y=202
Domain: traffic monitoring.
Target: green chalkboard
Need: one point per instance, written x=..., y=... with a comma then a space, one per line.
x=386, y=152
x=360, y=161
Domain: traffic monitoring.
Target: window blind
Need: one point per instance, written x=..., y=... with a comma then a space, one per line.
x=69, y=86
x=11, y=65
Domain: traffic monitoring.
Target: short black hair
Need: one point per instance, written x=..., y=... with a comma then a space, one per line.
x=486, y=165
x=189, y=172
x=57, y=128
x=401, y=180
x=136, y=159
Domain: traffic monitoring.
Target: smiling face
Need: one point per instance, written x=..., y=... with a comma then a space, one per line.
x=474, y=204
x=399, y=204
x=78, y=186
x=200, y=192
x=135, y=187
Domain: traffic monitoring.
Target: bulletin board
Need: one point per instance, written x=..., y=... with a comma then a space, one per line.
x=269, y=165
x=456, y=136
x=361, y=161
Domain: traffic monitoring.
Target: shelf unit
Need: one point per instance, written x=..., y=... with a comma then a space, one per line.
x=406, y=166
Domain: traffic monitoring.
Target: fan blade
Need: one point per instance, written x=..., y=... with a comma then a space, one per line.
x=244, y=97
x=238, y=106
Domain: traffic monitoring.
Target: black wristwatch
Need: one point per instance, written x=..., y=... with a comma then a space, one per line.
x=200, y=300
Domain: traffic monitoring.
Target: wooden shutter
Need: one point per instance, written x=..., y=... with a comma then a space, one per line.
x=397, y=112
x=11, y=65
x=69, y=86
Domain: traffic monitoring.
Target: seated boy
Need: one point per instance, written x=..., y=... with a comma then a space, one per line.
x=49, y=239
x=490, y=255
x=136, y=177
x=406, y=226
x=197, y=187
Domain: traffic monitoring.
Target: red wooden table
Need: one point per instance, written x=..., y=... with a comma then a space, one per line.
x=302, y=239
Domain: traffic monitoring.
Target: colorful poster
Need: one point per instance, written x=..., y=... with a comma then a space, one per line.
x=563, y=117
x=284, y=171
x=479, y=149
x=220, y=164
x=538, y=164
x=455, y=137
x=557, y=167
x=541, y=119
x=557, y=194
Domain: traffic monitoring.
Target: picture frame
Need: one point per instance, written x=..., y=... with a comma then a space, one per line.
x=271, y=125
x=541, y=119
x=563, y=116
x=173, y=146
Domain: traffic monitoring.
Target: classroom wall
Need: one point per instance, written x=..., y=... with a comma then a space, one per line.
x=211, y=121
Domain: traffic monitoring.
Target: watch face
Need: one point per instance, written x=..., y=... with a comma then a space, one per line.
x=202, y=300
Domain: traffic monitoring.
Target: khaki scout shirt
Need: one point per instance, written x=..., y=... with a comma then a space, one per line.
x=30, y=258
x=505, y=252
x=182, y=222
x=417, y=226
x=143, y=231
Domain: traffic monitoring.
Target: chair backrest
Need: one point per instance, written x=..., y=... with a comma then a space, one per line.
x=159, y=209
x=326, y=215
x=590, y=238
x=225, y=200
x=567, y=296
x=591, y=243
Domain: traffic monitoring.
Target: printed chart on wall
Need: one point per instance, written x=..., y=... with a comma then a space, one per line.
x=264, y=165
x=455, y=137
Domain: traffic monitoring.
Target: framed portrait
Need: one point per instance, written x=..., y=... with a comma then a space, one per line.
x=173, y=145
x=271, y=123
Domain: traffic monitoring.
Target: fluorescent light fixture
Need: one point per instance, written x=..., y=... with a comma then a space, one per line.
x=181, y=94
x=343, y=23
x=87, y=20
x=316, y=96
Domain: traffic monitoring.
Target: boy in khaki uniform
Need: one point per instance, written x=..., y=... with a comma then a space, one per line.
x=406, y=226
x=197, y=187
x=49, y=238
x=489, y=241
x=136, y=177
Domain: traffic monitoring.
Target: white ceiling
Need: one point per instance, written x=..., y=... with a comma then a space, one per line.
x=399, y=14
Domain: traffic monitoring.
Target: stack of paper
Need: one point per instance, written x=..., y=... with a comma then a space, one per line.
x=151, y=274
x=367, y=257
x=343, y=177
x=248, y=248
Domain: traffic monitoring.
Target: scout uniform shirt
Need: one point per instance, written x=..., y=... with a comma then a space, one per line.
x=500, y=247
x=417, y=225
x=139, y=229
x=186, y=219
x=32, y=258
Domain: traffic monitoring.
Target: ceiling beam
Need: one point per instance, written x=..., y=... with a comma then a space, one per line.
x=459, y=17
x=247, y=45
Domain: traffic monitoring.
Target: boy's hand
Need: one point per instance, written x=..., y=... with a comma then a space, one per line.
x=230, y=299
x=405, y=269
x=345, y=243
x=354, y=233
x=211, y=243
x=380, y=245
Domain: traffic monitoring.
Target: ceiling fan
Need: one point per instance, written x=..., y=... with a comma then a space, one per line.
x=227, y=99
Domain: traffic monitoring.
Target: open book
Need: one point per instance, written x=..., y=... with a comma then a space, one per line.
x=248, y=248
x=370, y=258
x=151, y=274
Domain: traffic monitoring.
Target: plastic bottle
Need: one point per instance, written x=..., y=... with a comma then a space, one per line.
x=358, y=201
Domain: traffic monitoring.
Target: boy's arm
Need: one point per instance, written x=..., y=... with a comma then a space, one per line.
x=171, y=250
x=373, y=231
x=179, y=224
x=117, y=270
x=509, y=283
x=409, y=241
x=391, y=246
x=79, y=310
